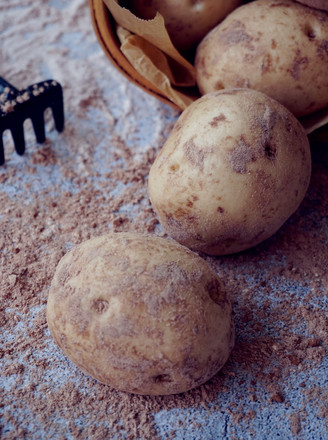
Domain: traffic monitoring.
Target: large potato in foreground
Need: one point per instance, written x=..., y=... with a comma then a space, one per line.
x=140, y=313
x=187, y=22
x=278, y=47
x=236, y=165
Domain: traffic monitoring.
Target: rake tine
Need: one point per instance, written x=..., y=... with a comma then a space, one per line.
x=18, y=138
x=38, y=126
x=58, y=114
x=2, y=153
x=57, y=108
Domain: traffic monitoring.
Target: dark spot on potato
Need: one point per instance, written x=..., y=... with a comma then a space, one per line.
x=216, y=292
x=240, y=156
x=189, y=204
x=264, y=125
x=185, y=215
x=270, y=151
x=215, y=121
x=322, y=49
x=273, y=44
x=218, y=85
x=160, y=378
x=193, y=154
x=299, y=63
x=266, y=63
x=174, y=167
x=234, y=34
x=99, y=305
x=220, y=210
x=309, y=32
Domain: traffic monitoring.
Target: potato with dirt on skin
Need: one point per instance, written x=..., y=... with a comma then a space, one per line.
x=187, y=22
x=140, y=313
x=279, y=47
x=235, y=167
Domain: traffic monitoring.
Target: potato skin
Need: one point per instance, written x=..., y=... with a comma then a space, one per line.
x=278, y=47
x=236, y=165
x=187, y=22
x=318, y=4
x=140, y=313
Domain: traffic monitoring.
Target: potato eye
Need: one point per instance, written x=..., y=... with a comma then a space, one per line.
x=309, y=32
x=270, y=151
x=216, y=292
x=163, y=378
x=100, y=305
x=174, y=167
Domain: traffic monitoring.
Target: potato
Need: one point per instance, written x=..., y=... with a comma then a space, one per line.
x=140, y=313
x=318, y=4
x=278, y=47
x=236, y=165
x=187, y=22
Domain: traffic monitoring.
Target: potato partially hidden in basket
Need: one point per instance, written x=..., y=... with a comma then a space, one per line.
x=279, y=47
x=187, y=22
x=318, y=4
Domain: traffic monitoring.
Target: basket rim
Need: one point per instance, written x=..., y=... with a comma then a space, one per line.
x=103, y=22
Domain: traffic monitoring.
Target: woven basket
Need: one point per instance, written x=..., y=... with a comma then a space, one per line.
x=104, y=27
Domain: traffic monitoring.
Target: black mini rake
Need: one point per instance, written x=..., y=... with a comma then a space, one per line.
x=18, y=105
